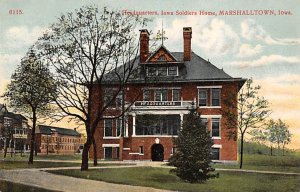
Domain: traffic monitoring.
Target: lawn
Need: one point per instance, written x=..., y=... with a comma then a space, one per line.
x=36, y=164
x=289, y=163
x=161, y=178
x=9, y=186
x=43, y=164
x=25, y=157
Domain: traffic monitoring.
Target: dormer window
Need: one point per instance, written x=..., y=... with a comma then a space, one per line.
x=172, y=71
x=151, y=71
x=162, y=71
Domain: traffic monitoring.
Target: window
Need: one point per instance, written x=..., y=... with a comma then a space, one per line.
x=108, y=128
x=204, y=122
x=157, y=125
x=172, y=71
x=202, y=95
x=161, y=58
x=117, y=152
x=161, y=95
x=109, y=94
x=215, y=152
x=119, y=99
x=176, y=94
x=146, y=95
x=118, y=127
x=215, y=97
x=173, y=150
x=215, y=127
x=151, y=71
x=107, y=152
x=162, y=71
x=141, y=150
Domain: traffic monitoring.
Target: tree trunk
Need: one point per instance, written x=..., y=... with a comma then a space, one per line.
x=10, y=141
x=242, y=151
x=95, y=151
x=32, y=141
x=271, y=151
x=283, y=150
x=85, y=154
x=5, y=148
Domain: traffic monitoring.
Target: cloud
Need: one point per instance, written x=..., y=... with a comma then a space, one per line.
x=21, y=36
x=266, y=60
x=251, y=30
x=247, y=50
x=214, y=37
x=218, y=38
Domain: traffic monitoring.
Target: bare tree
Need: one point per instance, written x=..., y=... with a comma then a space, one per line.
x=29, y=92
x=249, y=113
x=91, y=50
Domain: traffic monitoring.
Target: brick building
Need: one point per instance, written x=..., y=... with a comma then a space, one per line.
x=175, y=83
x=14, y=131
x=58, y=140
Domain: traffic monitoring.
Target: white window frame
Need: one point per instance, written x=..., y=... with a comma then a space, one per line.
x=206, y=90
x=220, y=133
x=211, y=98
x=141, y=150
x=217, y=147
x=104, y=135
x=179, y=94
x=176, y=71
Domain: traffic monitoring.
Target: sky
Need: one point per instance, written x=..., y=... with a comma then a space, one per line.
x=263, y=47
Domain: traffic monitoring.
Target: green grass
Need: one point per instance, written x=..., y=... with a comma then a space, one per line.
x=36, y=164
x=256, y=148
x=161, y=178
x=289, y=163
x=44, y=164
x=43, y=157
x=11, y=187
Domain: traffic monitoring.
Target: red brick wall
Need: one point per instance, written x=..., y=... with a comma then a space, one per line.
x=189, y=92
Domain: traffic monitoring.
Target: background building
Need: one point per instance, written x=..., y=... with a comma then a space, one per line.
x=168, y=84
x=58, y=140
x=14, y=131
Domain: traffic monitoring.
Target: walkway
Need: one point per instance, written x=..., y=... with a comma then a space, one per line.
x=40, y=178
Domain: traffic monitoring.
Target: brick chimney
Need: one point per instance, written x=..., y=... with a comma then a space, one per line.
x=187, y=37
x=144, y=45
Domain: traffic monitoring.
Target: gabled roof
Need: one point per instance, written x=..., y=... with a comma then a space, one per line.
x=161, y=48
x=195, y=70
x=48, y=130
x=16, y=118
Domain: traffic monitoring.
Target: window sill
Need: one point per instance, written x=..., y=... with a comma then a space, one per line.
x=210, y=107
x=136, y=154
x=216, y=137
x=111, y=137
x=154, y=135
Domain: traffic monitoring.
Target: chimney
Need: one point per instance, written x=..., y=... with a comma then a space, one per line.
x=187, y=36
x=144, y=45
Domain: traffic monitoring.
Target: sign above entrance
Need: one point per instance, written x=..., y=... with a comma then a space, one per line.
x=157, y=103
x=157, y=140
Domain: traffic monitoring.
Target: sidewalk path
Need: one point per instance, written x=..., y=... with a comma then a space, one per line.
x=37, y=178
x=40, y=178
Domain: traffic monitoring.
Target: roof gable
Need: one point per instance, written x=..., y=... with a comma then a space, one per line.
x=162, y=54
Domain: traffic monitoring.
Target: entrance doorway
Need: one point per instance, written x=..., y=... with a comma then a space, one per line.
x=157, y=152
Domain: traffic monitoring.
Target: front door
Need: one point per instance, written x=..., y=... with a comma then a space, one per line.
x=157, y=152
